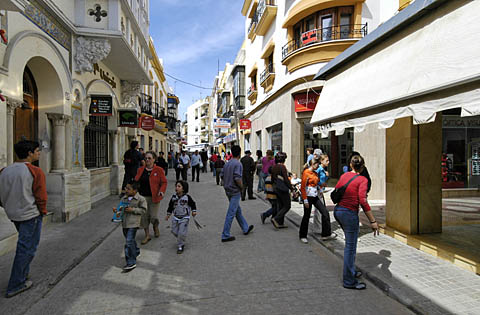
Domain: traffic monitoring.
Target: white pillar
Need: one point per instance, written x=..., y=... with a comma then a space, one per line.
x=58, y=122
x=115, y=147
x=12, y=104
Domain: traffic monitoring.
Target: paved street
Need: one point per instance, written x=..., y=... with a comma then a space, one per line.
x=268, y=271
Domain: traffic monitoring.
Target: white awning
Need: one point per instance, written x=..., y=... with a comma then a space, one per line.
x=438, y=52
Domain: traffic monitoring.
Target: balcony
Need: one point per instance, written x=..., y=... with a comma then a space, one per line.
x=267, y=78
x=321, y=45
x=252, y=94
x=252, y=27
x=146, y=104
x=266, y=12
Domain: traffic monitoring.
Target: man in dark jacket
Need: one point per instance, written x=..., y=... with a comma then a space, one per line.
x=132, y=160
x=247, y=177
x=162, y=163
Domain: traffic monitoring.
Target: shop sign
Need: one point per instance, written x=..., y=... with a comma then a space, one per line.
x=147, y=123
x=304, y=105
x=245, y=124
x=101, y=105
x=221, y=123
x=105, y=76
x=229, y=138
x=460, y=122
x=128, y=118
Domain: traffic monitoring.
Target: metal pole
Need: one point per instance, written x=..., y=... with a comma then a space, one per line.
x=236, y=122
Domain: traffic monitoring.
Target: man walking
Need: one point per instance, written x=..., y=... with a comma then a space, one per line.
x=248, y=165
x=204, y=156
x=184, y=164
x=23, y=194
x=132, y=160
x=232, y=183
x=162, y=163
x=196, y=160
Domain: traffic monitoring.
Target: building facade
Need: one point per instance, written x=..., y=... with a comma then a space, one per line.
x=198, y=125
x=68, y=68
x=286, y=42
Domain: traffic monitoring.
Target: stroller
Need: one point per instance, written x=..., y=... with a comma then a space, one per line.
x=296, y=194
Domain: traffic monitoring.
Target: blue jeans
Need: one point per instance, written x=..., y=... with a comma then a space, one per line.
x=261, y=181
x=273, y=210
x=131, y=248
x=234, y=211
x=28, y=239
x=349, y=222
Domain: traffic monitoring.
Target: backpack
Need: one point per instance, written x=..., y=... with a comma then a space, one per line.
x=337, y=194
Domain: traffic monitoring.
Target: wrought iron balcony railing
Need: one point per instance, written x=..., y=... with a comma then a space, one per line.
x=267, y=72
x=262, y=5
x=145, y=102
x=321, y=35
x=251, y=90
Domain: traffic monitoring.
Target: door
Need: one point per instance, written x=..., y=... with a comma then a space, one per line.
x=26, y=116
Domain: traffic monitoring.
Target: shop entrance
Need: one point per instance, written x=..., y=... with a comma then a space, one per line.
x=26, y=116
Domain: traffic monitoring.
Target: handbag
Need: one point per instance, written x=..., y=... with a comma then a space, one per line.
x=337, y=194
x=281, y=186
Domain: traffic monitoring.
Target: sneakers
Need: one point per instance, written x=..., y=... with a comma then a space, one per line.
x=252, y=198
x=28, y=284
x=146, y=240
x=250, y=228
x=229, y=239
x=129, y=267
x=304, y=240
x=180, y=250
x=330, y=237
x=358, y=286
x=275, y=224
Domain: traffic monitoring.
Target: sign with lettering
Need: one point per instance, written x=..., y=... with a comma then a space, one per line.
x=101, y=105
x=147, y=123
x=460, y=122
x=221, y=123
x=105, y=76
x=304, y=105
x=127, y=118
x=245, y=124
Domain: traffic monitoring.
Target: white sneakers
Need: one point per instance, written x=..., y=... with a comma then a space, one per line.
x=304, y=240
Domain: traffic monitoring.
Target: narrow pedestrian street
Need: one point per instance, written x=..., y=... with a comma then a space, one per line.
x=267, y=272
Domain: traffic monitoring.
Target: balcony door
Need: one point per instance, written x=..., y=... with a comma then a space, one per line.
x=26, y=117
x=326, y=21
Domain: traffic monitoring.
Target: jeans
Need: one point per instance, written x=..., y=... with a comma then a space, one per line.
x=349, y=222
x=28, y=239
x=131, y=248
x=320, y=207
x=284, y=204
x=273, y=210
x=234, y=211
x=261, y=181
x=196, y=169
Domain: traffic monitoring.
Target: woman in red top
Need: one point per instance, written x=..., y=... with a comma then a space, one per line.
x=346, y=214
x=153, y=184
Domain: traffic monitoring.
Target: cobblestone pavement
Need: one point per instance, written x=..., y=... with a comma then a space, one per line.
x=424, y=283
x=267, y=272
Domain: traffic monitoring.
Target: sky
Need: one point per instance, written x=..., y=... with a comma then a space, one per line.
x=192, y=37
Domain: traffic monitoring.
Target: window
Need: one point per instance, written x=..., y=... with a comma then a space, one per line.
x=156, y=145
x=327, y=23
x=150, y=143
x=142, y=141
x=247, y=142
x=259, y=140
x=96, y=142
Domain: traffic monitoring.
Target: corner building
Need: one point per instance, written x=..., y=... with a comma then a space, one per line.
x=286, y=42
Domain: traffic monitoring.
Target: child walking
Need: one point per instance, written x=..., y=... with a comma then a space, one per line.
x=181, y=206
x=137, y=206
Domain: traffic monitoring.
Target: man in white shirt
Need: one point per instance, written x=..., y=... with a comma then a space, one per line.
x=196, y=161
x=185, y=163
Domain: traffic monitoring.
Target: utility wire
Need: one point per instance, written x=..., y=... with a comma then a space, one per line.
x=185, y=82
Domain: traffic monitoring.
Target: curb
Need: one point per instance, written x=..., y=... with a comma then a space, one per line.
x=376, y=281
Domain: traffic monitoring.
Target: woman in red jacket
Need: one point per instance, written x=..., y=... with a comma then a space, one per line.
x=346, y=214
x=153, y=184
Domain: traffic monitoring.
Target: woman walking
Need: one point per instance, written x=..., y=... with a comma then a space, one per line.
x=176, y=166
x=267, y=161
x=346, y=214
x=153, y=184
x=283, y=187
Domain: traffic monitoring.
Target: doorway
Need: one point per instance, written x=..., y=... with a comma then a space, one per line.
x=26, y=116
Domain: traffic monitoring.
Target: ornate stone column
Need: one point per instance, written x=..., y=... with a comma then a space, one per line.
x=115, y=134
x=12, y=104
x=58, y=121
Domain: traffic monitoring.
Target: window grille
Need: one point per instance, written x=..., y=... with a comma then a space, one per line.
x=96, y=142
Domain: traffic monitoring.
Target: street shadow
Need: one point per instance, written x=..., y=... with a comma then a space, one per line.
x=379, y=261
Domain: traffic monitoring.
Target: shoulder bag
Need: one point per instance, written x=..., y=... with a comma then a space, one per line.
x=337, y=194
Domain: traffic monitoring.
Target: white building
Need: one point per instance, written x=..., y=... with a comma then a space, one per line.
x=66, y=68
x=198, y=125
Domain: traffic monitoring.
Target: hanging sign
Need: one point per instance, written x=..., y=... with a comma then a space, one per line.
x=101, y=105
x=221, y=123
x=245, y=124
x=128, y=118
x=304, y=105
x=147, y=123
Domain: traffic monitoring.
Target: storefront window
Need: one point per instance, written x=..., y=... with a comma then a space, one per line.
x=460, y=151
x=96, y=142
x=275, y=137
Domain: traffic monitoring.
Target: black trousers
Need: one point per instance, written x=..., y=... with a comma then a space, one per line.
x=184, y=172
x=326, y=225
x=127, y=178
x=178, y=172
x=284, y=203
x=247, y=180
x=196, y=169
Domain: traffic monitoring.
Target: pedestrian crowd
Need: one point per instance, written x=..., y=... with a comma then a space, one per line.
x=24, y=197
